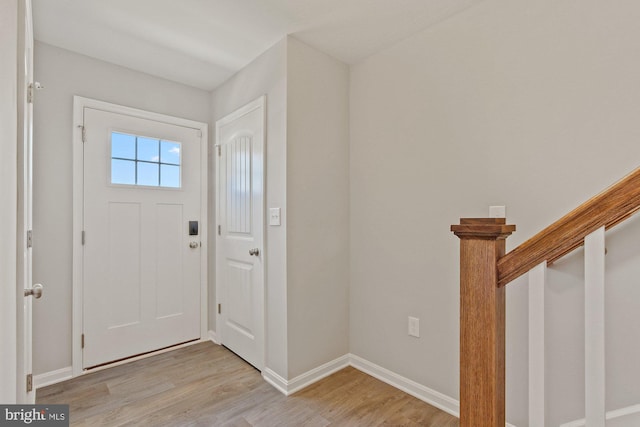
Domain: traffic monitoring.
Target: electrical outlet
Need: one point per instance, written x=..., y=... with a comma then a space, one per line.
x=414, y=327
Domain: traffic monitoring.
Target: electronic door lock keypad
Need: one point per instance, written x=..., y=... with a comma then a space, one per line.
x=193, y=228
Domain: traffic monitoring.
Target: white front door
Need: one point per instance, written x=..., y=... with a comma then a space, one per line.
x=240, y=219
x=143, y=233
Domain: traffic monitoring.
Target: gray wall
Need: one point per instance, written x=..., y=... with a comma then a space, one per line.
x=317, y=207
x=529, y=105
x=265, y=75
x=65, y=74
x=317, y=296
x=307, y=177
x=532, y=105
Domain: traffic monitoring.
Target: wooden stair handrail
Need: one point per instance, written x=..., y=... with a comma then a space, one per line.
x=484, y=272
x=607, y=209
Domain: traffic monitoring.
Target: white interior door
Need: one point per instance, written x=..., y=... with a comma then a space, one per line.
x=27, y=86
x=239, y=243
x=141, y=249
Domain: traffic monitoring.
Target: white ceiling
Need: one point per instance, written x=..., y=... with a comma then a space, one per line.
x=201, y=43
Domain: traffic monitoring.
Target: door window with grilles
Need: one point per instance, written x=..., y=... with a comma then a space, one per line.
x=142, y=161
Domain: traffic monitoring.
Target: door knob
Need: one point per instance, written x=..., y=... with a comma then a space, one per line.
x=254, y=252
x=194, y=245
x=36, y=291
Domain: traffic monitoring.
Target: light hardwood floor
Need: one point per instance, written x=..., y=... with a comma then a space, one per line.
x=207, y=385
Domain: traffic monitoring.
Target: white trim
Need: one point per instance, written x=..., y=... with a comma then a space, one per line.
x=288, y=387
x=213, y=337
x=419, y=391
x=77, y=270
x=537, y=283
x=204, y=230
x=24, y=306
x=142, y=356
x=275, y=380
x=316, y=374
x=617, y=413
x=53, y=377
x=260, y=102
x=432, y=397
x=79, y=104
x=594, y=332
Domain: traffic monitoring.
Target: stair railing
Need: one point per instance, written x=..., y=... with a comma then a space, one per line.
x=485, y=270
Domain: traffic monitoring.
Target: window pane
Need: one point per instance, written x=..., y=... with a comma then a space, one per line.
x=148, y=149
x=170, y=152
x=123, y=146
x=148, y=174
x=170, y=176
x=123, y=172
x=137, y=160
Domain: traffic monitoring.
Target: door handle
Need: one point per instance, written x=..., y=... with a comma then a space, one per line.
x=194, y=245
x=36, y=291
x=254, y=252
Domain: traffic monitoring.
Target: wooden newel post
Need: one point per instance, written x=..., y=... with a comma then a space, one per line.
x=482, y=321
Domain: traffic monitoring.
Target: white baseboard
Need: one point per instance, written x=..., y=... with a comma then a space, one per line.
x=314, y=375
x=288, y=387
x=432, y=397
x=618, y=413
x=53, y=377
x=275, y=380
x=213, y=337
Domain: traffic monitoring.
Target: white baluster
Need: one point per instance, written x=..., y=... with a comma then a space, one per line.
x=594, y=329
x=537, y=281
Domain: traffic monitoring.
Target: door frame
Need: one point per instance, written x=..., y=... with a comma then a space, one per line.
x=260, y=102
x=79, y=104
x=26, y=89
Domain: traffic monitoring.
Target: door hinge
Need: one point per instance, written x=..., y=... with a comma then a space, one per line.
x=29, y=238
x=219, y=230
x=219, y=150
x=82, y=341
x=219, y=308
x=199, y=133
x=83, y=237
x=84, y=133
x=31, y=90
x=29, y=382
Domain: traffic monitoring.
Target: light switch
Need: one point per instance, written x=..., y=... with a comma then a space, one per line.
x=414, y=327
x=274, y=216
x=497, y=211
